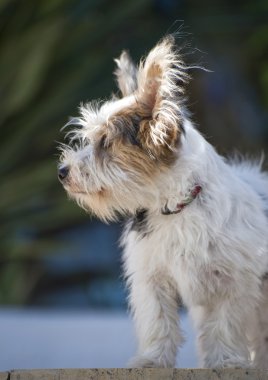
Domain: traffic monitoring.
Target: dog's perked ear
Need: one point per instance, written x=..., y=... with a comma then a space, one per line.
x=126, y=74
x=161, y=78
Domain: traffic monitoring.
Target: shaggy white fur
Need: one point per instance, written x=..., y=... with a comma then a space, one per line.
x=213, y=254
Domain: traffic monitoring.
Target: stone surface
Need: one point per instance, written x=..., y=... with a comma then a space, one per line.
x=136, y=374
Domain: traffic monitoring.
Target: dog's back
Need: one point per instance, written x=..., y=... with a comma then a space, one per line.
x=251, y=172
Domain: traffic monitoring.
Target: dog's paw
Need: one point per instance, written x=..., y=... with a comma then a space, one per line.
x=143, y=362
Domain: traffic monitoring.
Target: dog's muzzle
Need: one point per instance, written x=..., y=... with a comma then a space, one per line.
x=63, y=172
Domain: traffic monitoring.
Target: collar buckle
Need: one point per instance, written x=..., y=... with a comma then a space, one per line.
x=187, y=200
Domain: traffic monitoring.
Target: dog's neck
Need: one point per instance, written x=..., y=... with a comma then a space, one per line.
x=189, y=197
x=198, y=168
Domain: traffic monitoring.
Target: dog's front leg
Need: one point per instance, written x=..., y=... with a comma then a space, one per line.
x=154, y=305
x=222, y=329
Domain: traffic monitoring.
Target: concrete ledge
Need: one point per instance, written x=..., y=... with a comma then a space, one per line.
x=4, y=375
x=136, y=374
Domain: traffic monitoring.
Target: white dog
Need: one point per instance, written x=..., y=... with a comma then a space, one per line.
x=198, y=227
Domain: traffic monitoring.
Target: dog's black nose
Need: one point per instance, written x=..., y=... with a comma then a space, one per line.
x=63, y=172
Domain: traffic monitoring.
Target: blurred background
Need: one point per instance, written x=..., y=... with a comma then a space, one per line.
x=60, y=269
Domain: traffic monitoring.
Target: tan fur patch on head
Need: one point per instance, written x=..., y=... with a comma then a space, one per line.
x=165, y=150
x=124, y=145
x=134, y=128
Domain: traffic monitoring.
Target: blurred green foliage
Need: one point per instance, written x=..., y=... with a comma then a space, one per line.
x=54, y=54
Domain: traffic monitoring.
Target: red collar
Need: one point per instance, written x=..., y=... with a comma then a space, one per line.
x=187, y=200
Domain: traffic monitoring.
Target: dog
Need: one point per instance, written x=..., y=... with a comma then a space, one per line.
x=196, y=225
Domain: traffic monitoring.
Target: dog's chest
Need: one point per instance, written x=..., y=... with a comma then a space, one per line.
x=200, y=281
x=182, y=251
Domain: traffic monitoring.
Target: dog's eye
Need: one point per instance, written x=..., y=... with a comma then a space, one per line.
x=104, y=142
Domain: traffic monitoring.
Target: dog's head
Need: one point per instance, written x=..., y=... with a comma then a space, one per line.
x=118, y=149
